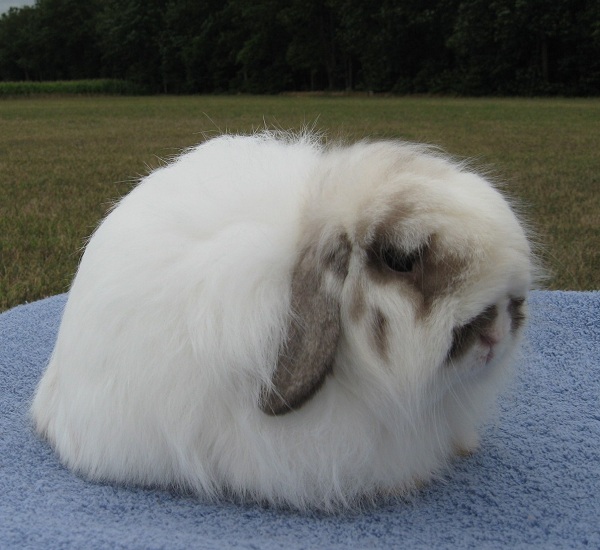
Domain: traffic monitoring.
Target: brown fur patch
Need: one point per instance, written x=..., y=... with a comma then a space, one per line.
x=439, y=274
x=313, y=330
x=358, y=303
x=337, y=258
x=434, y=273
x=379, y=327
x=366, y=234
x=517, y=315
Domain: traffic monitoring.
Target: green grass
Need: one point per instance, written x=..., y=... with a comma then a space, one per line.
x=63, y=160
x=60, y=87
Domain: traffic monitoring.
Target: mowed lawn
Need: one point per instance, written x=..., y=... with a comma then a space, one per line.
x=65, y=160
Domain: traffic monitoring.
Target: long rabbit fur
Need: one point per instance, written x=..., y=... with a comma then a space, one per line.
x=280, y=320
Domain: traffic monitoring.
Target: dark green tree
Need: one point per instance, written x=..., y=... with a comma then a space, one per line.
x=314, y=48
x=66, y=38
x=267, y=46
x=261, y=45
x=199, y=46
x=130, y=33
x=20, y=48
x=526, y=46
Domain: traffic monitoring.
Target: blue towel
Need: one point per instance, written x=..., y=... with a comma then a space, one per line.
x=534, y=483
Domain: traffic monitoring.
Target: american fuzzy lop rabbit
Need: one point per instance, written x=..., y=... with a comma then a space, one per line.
x=298, y=324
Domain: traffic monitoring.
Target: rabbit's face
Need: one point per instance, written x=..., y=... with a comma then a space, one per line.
x=412, y=275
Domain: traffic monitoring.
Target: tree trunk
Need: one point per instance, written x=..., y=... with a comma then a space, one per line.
x=544, y=53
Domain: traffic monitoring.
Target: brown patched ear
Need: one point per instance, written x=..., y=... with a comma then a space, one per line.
x=313, y=327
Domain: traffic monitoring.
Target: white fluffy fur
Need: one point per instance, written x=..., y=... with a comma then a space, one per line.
x=180, y=305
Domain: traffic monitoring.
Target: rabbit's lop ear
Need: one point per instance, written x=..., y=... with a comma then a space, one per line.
x=313, y=327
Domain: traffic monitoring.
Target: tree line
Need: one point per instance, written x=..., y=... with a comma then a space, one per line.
x=470, y=47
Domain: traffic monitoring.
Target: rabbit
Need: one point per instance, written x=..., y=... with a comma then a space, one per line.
x=277, y=319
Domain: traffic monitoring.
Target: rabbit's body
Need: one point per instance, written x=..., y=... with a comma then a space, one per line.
x=243, y=323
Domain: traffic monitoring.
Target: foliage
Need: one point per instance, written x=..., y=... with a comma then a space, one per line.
x=472, y=47
x=80, y=87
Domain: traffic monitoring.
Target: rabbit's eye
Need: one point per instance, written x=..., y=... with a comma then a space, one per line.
x=399, y=262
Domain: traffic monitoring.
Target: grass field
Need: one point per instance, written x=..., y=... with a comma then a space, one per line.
x=63, y=160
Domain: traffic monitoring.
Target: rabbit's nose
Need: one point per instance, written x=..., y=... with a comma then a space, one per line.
x=464, y=337
x=490, y=338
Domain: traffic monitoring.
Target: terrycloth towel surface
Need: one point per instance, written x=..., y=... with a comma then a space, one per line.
x=535, y=482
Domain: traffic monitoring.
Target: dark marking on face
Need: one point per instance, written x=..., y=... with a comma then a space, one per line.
x=517, y=315
x=358, y=302
x=427, y=272
x=465, y=336
x=367, y=234
x=337, y=258
x=379, y=327
x=387, y=262
x=439, y=274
